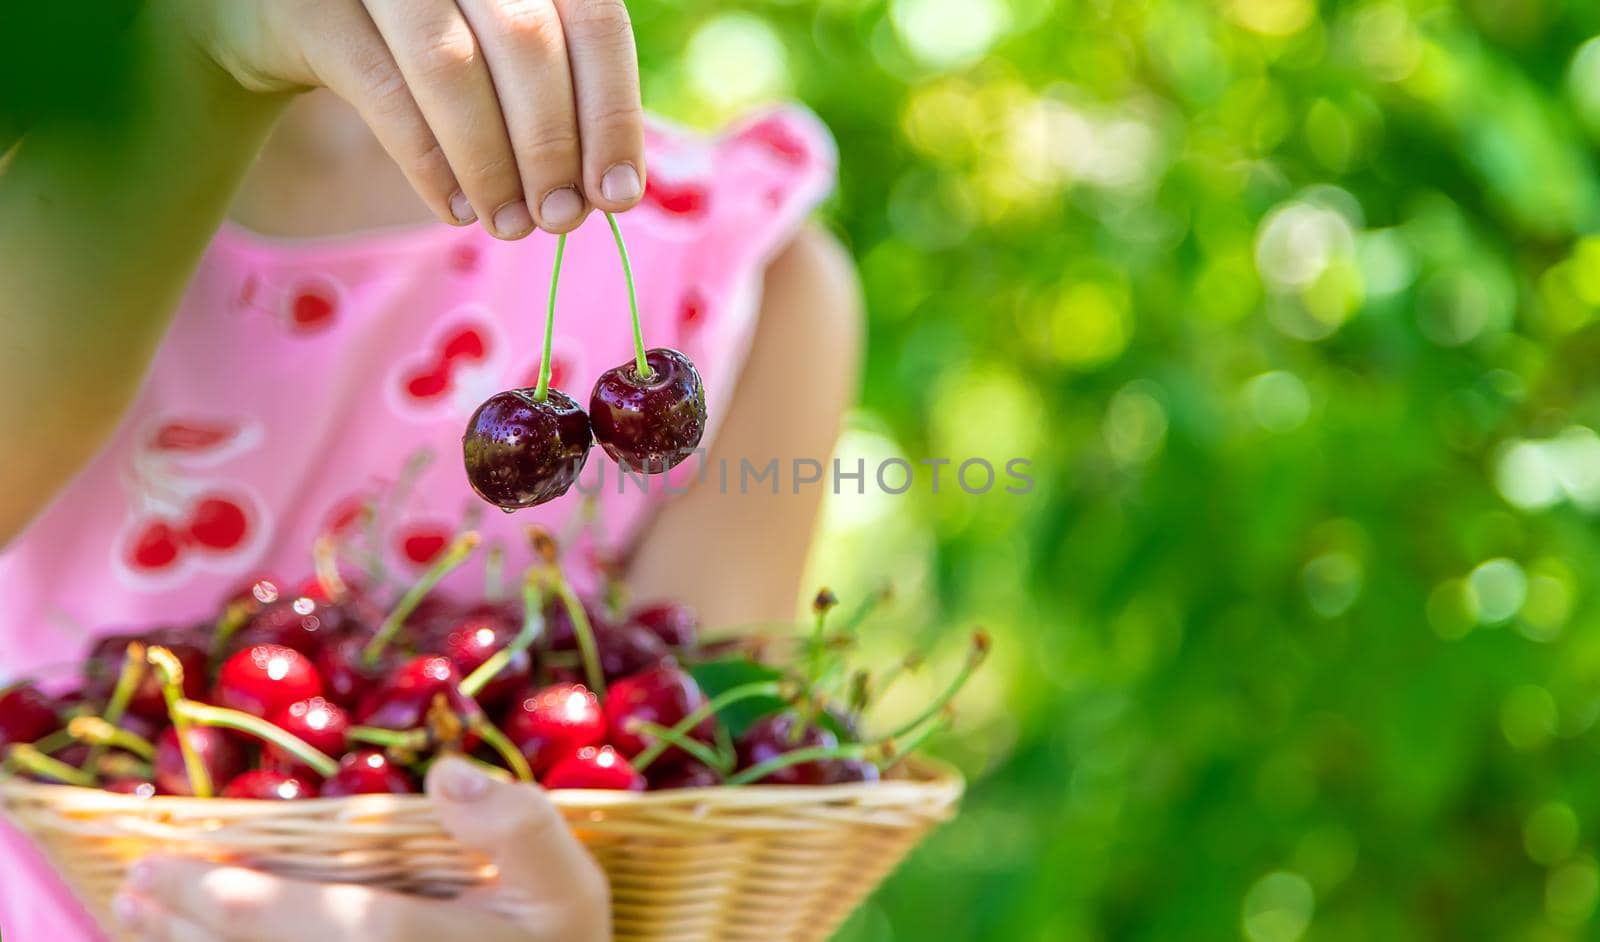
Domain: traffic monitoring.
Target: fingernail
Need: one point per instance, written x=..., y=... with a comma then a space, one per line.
x=561, y=207
x=464, y=783
x=125, y=909
x=620, y=184
x=142, y=876
x=512, y=220
x=461, y=208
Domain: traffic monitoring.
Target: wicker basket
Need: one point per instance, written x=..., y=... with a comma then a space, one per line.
x=766, y=864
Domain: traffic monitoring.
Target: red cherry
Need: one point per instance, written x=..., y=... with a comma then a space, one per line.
x=218, y=751
x=520, y=451
x=687, y=774
x=267, y=785
x=156, y=546
x=264, y=678
x=555, y=722
x=217, y=523
x=26, y=715
x=674, y=623
x=298, y=623
x=368, y=772
x=850, y=771
x=347, y=676
x=628, y=649
x=106, y=658
x=321, y=724
x=650, y=423
x=663, y=695
x=773, y=736
x=474, y=639
x=404, y=700
x=592, y=767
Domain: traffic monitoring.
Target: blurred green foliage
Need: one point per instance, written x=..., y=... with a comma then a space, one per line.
x=1294, y=308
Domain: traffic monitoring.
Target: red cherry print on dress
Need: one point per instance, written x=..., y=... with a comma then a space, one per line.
x=435, y=377
x=218, y=523
x=248, y=290
x=312, y=306
x=691, y=309
x=343, y=516
x=779, y=139
x=465, y=257
x=192, y=435
x=685, y=198
x=156, y=547
x=422, y=543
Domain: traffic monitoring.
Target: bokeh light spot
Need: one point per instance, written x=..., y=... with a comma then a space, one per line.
x=1278, y=908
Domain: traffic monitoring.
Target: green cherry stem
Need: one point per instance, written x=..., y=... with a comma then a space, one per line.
x=29, y=759
x=532, y=628
x=325, y=563
x=665, y=737
x=543, y=388
x=975, y=657
x=761, y=770
x=680, y=730
x=99, y=734
x=410, y=740
x=503, y=747
x=203, y=714
x=494, y=568
x=454, y=555
x=128, y=681
x=641, y=366
x=170, y=670
x=895, y=753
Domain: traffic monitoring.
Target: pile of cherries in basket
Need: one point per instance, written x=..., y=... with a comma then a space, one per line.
x=325, y=692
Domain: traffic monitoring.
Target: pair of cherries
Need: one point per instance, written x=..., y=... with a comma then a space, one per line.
x=524, y=447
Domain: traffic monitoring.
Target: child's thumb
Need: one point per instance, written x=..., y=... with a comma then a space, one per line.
x=518, y=828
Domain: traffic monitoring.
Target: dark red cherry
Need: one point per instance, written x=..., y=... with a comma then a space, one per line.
x=264, y=678
x=106, y=659
x=628, y=649
x=474, y=639
x=663, y=695
x=26, y=715
x=674, y=623
x=368, y=772
x=521, y=452
x=773, y=736
x=347, y=678
x=650, y=423
x=851, y=771
x=219, y=752
x=686, y=774
x=267, y=785
x=300, y=623
x=558, y=631
x=321, y=724
x=555, y=722
x=403, y=702
x=595, y=767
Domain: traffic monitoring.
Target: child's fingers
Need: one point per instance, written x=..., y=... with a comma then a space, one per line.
x=346, y=53
x=527, y=54
x=538, y=857
x=444, y=64
x=605, y=70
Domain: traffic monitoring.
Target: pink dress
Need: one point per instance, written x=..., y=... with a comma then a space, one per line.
x=299, y=381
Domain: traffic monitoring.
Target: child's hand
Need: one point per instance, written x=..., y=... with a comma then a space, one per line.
x=516, y=112
x=558, y=889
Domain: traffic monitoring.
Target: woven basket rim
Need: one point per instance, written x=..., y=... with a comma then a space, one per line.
x=925, y=778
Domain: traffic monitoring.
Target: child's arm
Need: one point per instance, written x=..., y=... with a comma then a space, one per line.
x=100, y=226
x=516, y=112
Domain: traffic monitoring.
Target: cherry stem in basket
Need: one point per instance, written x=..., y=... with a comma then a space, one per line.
x=824, y=603
x=325, y=563
x=542, y=389
x=797, y=756
x=547, y=569
x=30, y=759
x=532, y=628
x=128, y=681
x=975, y=657
x=680, y=730
x=99, y=734
x=228, y=624
x=641, y=365
x=454, y=555
x=896, y=752
x=170, y=670
x=204, y=714
x=666, y=737
x=503, y=747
